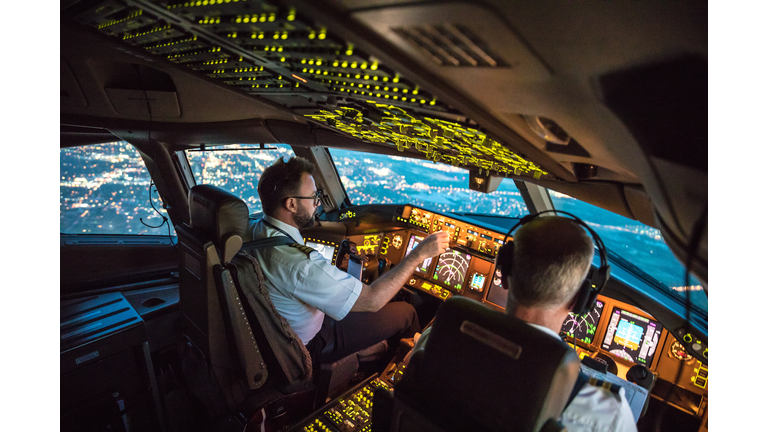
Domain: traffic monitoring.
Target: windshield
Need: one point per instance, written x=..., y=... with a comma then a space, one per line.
x=638, y=244
x=380, y=179
x=236, y=171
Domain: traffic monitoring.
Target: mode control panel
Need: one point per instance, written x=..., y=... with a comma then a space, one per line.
x=460, y=233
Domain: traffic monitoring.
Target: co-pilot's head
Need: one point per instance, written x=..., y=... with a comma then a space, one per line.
x=552, y=257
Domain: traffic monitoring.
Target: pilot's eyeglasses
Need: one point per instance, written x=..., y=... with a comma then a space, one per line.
x=317, y=197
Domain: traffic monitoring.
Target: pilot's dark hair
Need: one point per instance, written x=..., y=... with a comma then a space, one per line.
x=282, y=179
x=552, y=256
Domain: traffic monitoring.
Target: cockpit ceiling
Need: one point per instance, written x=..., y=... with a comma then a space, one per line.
x=274, y=52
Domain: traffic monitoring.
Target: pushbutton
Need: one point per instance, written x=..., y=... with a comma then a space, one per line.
x=688, y=338
x=696, y=347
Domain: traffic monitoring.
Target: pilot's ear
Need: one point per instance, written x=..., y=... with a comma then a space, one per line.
x=290, y=204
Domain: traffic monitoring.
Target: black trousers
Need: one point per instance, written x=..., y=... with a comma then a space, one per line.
x=359, y=330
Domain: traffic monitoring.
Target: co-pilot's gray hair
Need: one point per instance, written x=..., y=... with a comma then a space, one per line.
x=551, y=259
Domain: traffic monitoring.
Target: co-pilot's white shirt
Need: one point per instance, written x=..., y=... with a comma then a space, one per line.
x=303, y=289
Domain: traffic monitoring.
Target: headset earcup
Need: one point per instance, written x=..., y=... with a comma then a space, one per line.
x=585, y=298
x=505, y=258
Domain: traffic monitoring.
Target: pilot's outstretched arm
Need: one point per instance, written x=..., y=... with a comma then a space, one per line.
x=374, y=296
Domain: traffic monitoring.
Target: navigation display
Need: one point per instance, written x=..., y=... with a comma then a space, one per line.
x=583, y=327
x=325, y=250
x=632, y=337
x=414, y=241
x=451, y=269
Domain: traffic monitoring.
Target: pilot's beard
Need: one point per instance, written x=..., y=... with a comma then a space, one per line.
x=303, y=218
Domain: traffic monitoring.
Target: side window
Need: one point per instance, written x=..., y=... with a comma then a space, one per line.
x=637, y=243
x=105, y=189
x=236, y=171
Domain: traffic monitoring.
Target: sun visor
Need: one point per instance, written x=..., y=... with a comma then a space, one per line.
x=292, y=133
x=608, y=196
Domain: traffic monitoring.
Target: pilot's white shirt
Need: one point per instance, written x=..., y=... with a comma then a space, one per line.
x=303, y=289
x=594, y=409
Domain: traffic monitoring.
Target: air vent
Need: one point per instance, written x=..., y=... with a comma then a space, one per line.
x=449, y=45
x=558, y=140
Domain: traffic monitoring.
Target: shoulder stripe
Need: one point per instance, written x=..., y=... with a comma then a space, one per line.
x=305, y=249
x=613, y=388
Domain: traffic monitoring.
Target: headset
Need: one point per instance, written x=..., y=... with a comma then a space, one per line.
x=592, y=285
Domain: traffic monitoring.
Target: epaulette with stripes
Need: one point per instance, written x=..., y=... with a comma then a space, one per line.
x=614, y=388
x=306, y=249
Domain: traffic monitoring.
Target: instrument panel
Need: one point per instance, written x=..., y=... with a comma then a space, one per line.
x=472, y=237
x=613, y=332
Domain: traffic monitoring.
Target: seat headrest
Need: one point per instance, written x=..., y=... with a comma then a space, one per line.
x=217, y=214
x=473, y=353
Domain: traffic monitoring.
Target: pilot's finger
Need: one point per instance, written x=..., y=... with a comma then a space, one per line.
x=436, y=243
x=443, y=239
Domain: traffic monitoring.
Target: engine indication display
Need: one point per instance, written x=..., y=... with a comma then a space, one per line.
x=583, y=327
x=451, y=269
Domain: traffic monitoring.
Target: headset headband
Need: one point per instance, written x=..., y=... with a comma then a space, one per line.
x=592, y=286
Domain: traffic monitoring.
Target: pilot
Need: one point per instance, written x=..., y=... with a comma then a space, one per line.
x=332, y=312
x=552, y=256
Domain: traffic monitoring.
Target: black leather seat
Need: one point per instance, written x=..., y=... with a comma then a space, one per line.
x=480, y=370
x=216, y=351
x=227, y=325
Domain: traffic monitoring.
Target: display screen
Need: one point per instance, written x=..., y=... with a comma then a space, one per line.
x=368, y=244
x=414, y=241
x=451, y=269
x=324, y=249
x=632, y=337
x=496, y=292
x=584, y=327
x=477, y=282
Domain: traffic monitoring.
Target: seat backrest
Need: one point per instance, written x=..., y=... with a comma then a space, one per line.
x=211, y=310
x=245, y=304
x=483, y=370
x=214, y=217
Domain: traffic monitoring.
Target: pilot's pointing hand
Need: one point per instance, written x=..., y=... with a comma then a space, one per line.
x=434, y=244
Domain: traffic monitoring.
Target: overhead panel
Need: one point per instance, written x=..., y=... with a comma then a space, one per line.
x=271, y=49
x=440, y=140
